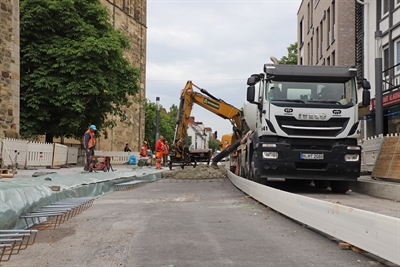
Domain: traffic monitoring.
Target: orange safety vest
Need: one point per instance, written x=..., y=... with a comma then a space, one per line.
x=92, y=140
x=143, y=151
x=165, y=152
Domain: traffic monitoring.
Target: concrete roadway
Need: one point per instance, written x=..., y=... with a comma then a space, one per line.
x=181, y=223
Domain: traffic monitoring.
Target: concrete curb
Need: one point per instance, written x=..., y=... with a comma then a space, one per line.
x=377, y=188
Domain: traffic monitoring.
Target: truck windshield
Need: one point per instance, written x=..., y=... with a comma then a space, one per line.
x=312, y=92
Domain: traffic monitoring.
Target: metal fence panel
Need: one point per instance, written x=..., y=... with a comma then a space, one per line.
x=14, y=151
x=39, y=154
x=72, y=157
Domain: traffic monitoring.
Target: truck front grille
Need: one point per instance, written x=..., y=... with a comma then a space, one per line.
x=307, y=126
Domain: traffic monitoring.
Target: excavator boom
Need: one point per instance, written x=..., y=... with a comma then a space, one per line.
x=180, y=153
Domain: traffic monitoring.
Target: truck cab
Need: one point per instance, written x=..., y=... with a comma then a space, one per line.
x=305, y=124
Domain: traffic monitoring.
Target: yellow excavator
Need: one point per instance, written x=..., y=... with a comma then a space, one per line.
x=180, y=153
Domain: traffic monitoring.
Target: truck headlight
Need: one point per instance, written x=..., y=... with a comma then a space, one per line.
x=351, y=157
x=270, y=155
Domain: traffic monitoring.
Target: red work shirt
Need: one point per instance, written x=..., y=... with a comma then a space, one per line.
x=159, y=145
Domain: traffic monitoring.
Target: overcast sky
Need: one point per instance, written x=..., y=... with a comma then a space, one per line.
x=217, y=44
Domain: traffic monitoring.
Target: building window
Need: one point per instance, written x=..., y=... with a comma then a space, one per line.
x=328, y=27
x=328, y=61
x=321, y=26
x=308, y=16
x=312, y=13
x=398, y=55
x=301, y=30
x=317, y=43
x=385, y=7
x=333, y=58
x=333, y=20
x=311, y=52
x=386, y=61
x=308, y=54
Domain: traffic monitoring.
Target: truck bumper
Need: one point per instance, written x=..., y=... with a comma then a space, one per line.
x=295, y=162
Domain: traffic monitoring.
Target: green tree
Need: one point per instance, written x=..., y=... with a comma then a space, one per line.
x=166, y=126
x=291, y=59
x=214, y=144
x=73, y=72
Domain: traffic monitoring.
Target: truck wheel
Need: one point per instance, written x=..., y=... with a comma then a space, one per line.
x=321, y=184
x=340, y=186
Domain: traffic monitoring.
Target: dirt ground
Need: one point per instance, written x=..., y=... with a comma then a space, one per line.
x=199, y=172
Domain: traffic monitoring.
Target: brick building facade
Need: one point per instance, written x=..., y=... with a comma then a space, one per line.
x=9, y=64
x=326, y=33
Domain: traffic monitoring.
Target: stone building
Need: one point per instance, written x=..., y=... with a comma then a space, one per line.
x=129, y=16
x=9, y=64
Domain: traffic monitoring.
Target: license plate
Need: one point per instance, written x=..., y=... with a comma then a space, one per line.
x=311, y=156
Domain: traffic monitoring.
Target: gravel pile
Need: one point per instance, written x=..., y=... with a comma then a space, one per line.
x=200, y=172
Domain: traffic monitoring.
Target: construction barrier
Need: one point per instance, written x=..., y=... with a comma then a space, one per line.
x=72, y=155
x=14, y=151
x=370, y=151
x=387, y=165
x=60, y=154
x=39, y=154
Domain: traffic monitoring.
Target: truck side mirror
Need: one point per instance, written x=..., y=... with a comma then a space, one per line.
x=253, y=79
x=365, y=84
x=366, y=97
x=251, y=93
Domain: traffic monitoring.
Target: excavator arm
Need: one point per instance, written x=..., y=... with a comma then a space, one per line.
x=188, y=98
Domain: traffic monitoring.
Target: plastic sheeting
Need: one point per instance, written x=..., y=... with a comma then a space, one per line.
x=22, y=195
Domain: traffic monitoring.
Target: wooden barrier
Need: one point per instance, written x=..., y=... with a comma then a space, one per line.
x=387, y=165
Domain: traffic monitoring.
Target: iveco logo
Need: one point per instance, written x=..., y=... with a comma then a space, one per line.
x=337, y=112
x=288, y=110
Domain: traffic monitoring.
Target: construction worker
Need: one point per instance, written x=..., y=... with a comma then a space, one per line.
x=12, y=132
x=165, y=154
x=126, y=148
x=89, y=142
x=143, y=150
x=159, y=151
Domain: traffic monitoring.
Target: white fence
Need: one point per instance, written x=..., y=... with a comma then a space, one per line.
x=37, y=154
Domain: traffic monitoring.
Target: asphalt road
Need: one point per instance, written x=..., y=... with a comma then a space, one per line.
x=182, y=223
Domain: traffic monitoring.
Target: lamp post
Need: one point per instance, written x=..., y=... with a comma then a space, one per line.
x=157, y=119
x=378, y=84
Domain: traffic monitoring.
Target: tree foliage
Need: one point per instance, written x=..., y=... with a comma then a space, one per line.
x=291, y=59
x=73, y=72
x=166, y=126
x=214, y=144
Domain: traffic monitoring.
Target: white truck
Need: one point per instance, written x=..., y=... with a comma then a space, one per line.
x=304, y=126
